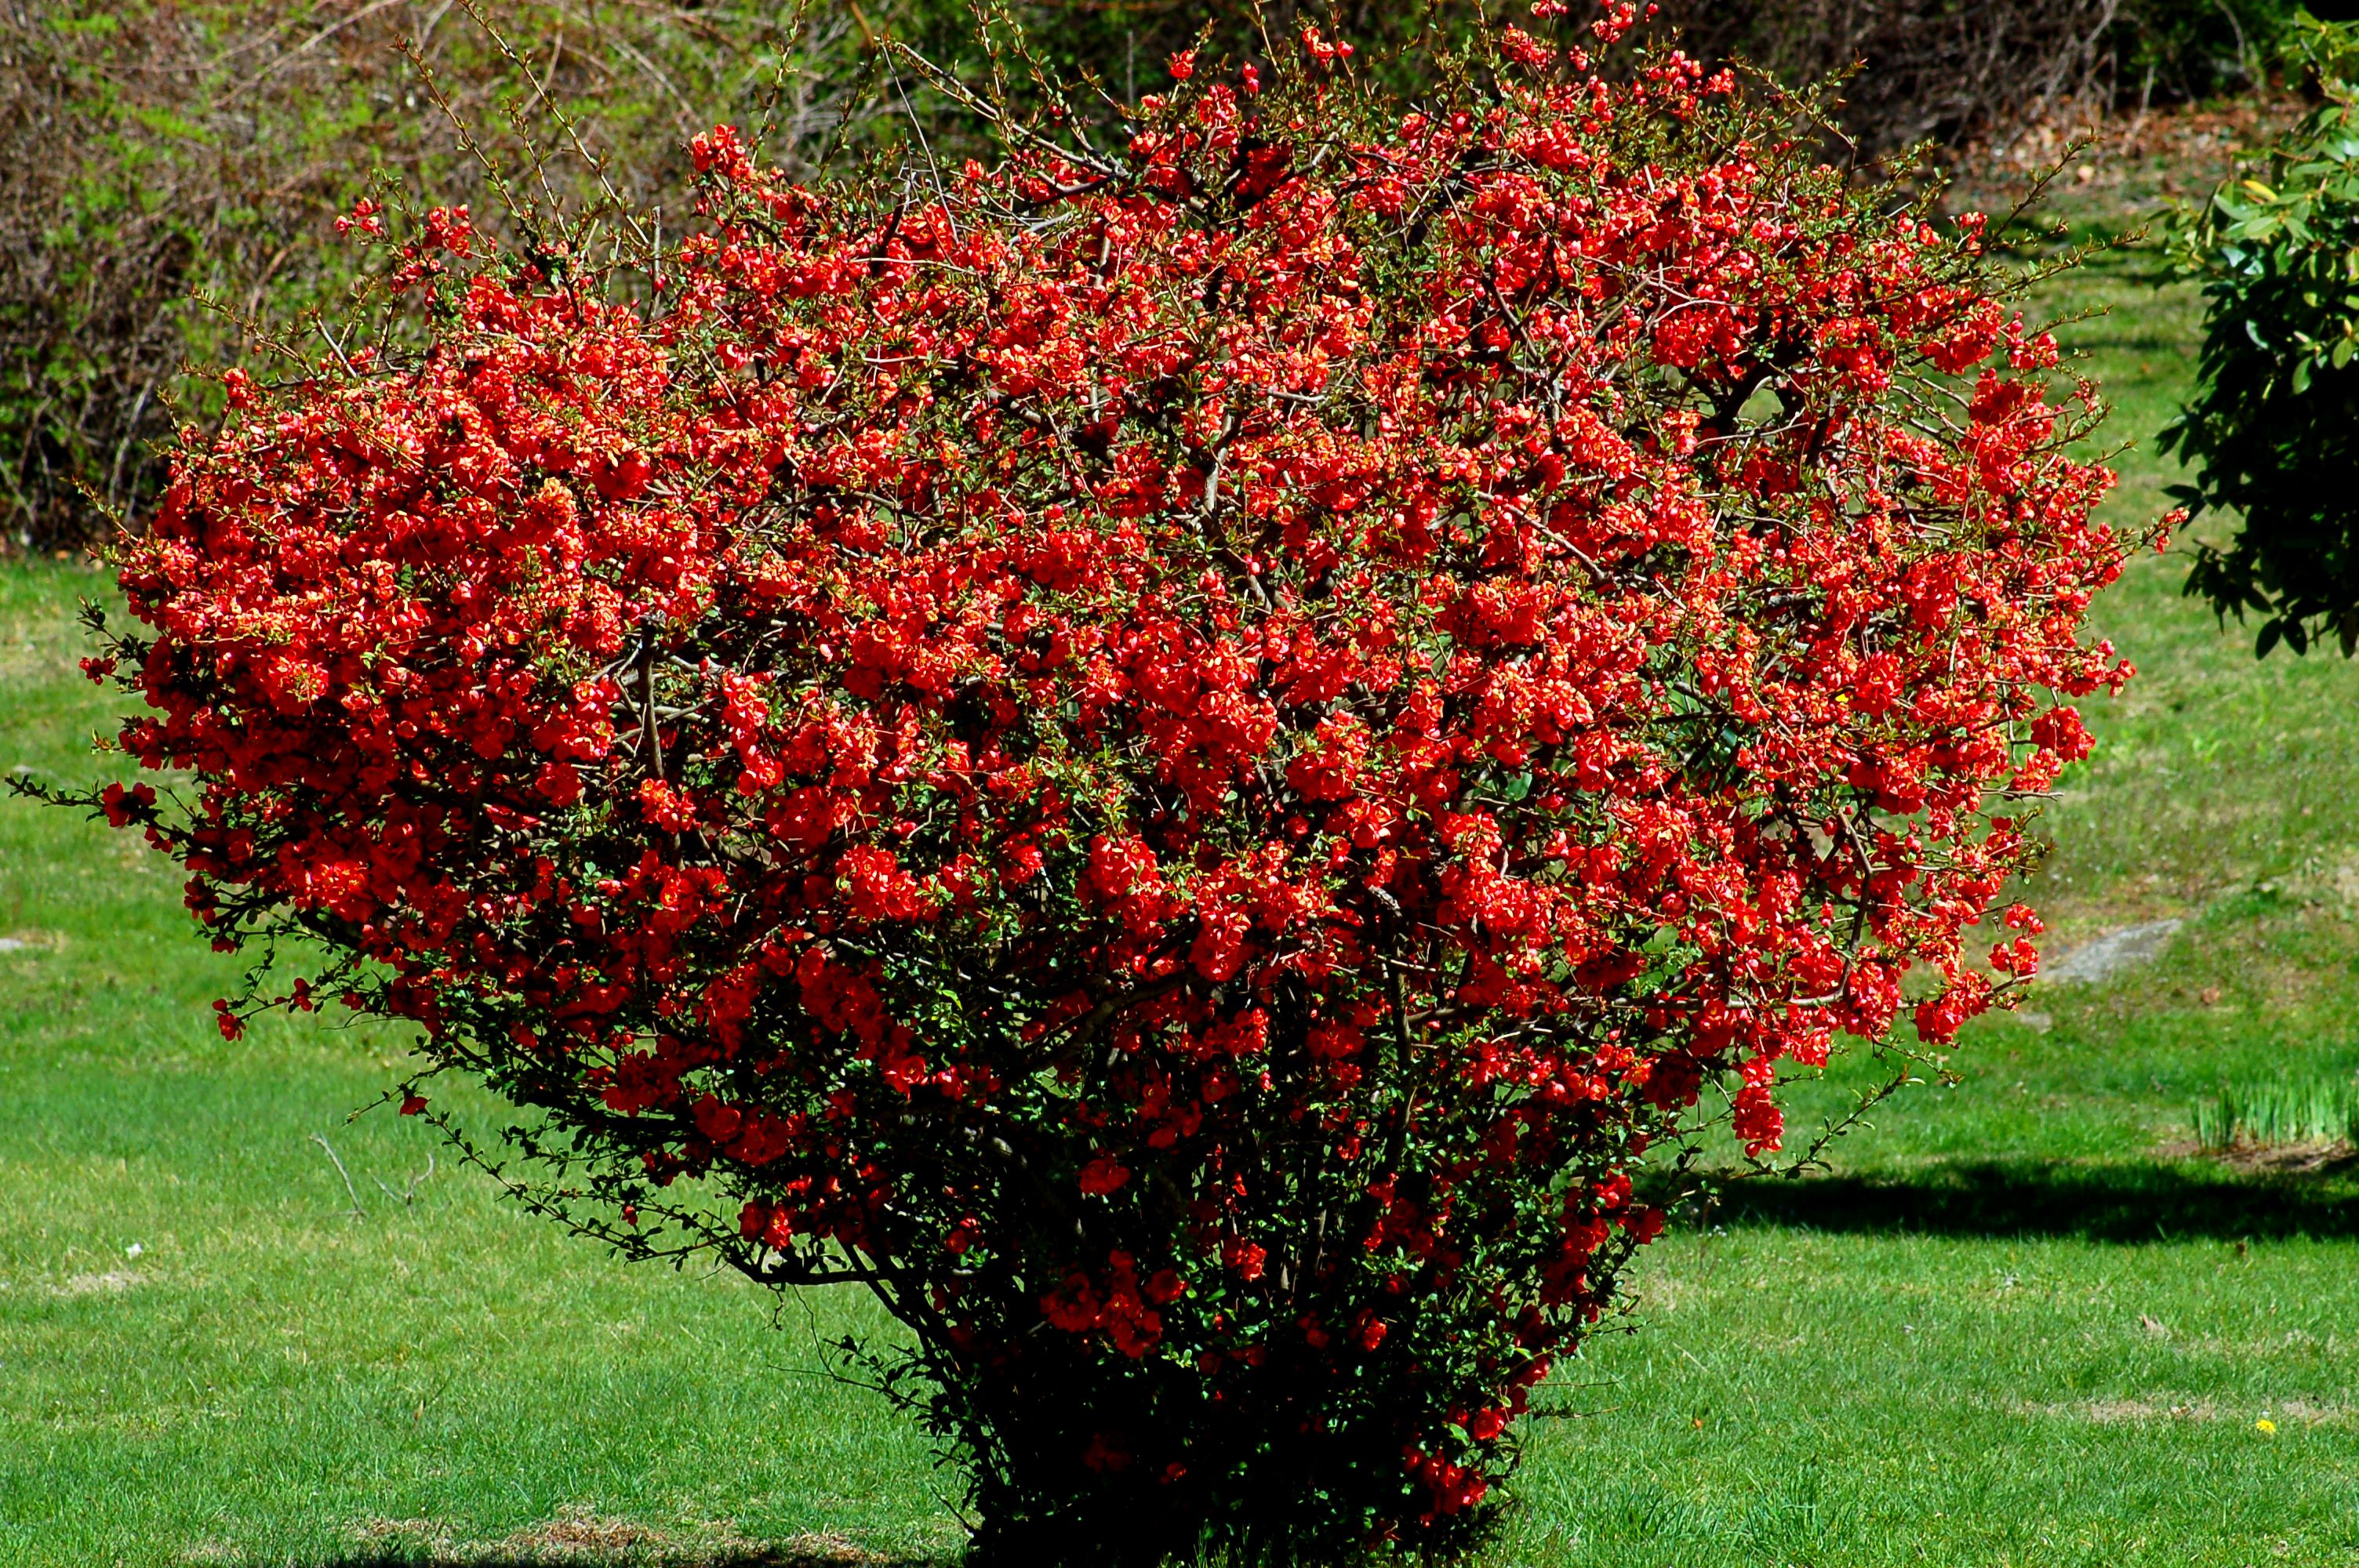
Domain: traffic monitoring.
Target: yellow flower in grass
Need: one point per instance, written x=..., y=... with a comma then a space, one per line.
x=2264, y=1426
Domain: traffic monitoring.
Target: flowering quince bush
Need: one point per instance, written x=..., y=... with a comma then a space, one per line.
x=1176, y=759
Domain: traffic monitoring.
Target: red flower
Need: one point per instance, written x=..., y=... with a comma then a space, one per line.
x=1103, y=1175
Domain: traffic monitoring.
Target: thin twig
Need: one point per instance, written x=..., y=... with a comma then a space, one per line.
x=409, y=1190
x=350, y=1191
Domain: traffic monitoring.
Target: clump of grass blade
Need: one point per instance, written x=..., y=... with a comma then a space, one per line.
x=2277, y=1111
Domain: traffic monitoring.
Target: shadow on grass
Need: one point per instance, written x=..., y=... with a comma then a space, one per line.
x=2126, y=1201
x=613, y=1547
x=572, y=1557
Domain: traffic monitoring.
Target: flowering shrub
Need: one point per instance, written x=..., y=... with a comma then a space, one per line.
x=1176, y=760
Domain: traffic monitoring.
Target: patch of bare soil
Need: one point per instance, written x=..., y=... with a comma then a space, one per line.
x=577, y=1534
x=2318, y=1156
x=579, y=1538
x=2186, y=1407
x=108, y=1283
x=2107, y=1412
x=2187, y=148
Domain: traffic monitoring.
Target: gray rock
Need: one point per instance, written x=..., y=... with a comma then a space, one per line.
x=2101, y=960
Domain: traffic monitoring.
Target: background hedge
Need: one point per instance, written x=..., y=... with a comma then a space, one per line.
x=170, y=166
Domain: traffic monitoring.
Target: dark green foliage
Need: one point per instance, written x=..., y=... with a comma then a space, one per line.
x=2273, y=430
x=2178, y=50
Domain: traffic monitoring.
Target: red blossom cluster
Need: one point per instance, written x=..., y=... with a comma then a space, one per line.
x=1176, y=759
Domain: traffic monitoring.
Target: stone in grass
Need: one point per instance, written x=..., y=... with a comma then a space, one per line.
x=2101, y=960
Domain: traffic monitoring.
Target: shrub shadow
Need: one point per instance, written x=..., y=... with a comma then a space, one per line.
x=2130, y=1201
x=568, y=1557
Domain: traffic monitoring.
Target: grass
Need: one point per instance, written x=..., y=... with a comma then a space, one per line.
x=2285, y=1112
x=2022, y=1322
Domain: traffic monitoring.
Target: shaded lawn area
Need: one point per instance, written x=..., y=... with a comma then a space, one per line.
x=2011, y=1327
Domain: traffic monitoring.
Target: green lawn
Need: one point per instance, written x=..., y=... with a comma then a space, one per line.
x=2012, y=1327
